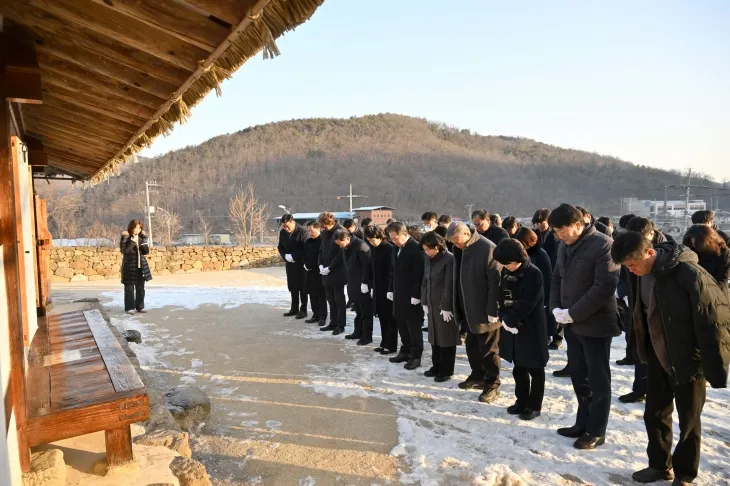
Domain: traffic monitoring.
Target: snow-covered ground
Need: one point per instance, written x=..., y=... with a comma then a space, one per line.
x=446, y=436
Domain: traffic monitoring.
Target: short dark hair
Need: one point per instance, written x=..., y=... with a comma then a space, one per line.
x=341, y=235
x=390, y=220
x=374, y=232
x=540, y=215
x=703, y=217
x=700, y=238
x=414, y=231
x=482, y=213
x=527, y=237
x=366, y=222
x=509, y=222
x=349, y=222
x=629, y=245
x=428, y=216
x=441, y=230
x=510, y=251
x=396, y=227
x=445, y=219
x=605, y=220
x=564, y=215
x=494, y=219
x=582, y=210
x=286, y=218
x=313, y=224
x=640, y=225
x=624, y=220
x=433, y=241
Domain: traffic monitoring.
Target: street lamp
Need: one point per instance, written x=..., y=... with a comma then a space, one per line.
x=281, y=206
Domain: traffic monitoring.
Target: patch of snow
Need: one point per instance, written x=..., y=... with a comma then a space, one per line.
x=273, y=425
x=308, y=481
x=196, y=363
x=194, y=297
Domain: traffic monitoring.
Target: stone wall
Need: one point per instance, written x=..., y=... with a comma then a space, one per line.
x=69, y=264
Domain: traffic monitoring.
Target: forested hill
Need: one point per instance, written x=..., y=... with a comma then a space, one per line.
x=409, y=163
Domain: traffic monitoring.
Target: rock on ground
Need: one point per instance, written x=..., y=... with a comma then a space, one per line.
x=188, y=404
x=132, y=336
x=189, y=472
x=173, y=440
x=47, y=469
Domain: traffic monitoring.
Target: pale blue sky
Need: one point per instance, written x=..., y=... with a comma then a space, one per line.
x=646, y=81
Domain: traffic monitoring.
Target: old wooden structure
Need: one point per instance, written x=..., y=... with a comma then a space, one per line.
x=85, y=85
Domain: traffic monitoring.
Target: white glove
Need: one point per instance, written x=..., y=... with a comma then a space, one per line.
x=325, y=271
x=558, y=314
x=364, y=288
x=566, y=317
x=447, y=315
x=425, y=309
x=321, y=267
x=289, y=258
x=415, y=301
x=389, y=296
x=509, y=329
x=562, y=316
x=626, y=300
x=492, y=320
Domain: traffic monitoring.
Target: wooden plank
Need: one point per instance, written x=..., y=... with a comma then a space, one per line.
x=76, y=123
x=66, y=111
x=24, y=88
x=124, y=30
x=173, y=18
x=43, y=131
x=231, y=11
x=119, y=446
x=73, y=93
x=120, y=369
x=61, y=141
x=71, y=128
x=38, y=377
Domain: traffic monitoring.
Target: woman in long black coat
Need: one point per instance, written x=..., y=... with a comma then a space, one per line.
x=540, y=258
x=437, y=297
x=135, y=270
x=524, y=337
x=712, y=251
x=381, y=253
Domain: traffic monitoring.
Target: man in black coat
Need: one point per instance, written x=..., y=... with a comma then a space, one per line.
x=315, y=288
x=583, y=298
x=359, y=283
x=334, y=273
x=484, y=227
x=548, y=241
x=408, y=265
x=381, y=255
x=291, y=249
x=476, y=296
x=682, y=328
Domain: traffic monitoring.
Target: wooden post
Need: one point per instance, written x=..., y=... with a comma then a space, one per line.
x=119, y=446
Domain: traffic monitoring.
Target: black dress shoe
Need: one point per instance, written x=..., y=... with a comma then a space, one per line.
x=338, y=331
x=430, y=373
x=515, y=409
x=400, y=358
x=330, y=327
x=312, y=320
x=291, y=313
x=413, y=364
x=555, y=344
x=588, y=442
x=528, y=414
x=379, y=349
x=488, y=396
x=352, y=336
x=322, y=322
x=627, y=361
x=441, y=379
x=387, y=351
x=364, y=341
x=632, y=397
x=301, y=315
x=564, y=373
x=651, y=475
x=472, y=384
x=572, y=432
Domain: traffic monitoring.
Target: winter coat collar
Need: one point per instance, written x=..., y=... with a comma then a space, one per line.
x=670, y=255
x=474, y=238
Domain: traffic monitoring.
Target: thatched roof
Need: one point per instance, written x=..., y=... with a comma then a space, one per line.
x=116, y=74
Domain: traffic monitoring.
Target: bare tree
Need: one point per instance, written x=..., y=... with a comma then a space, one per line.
x=248, y=215
x=63, y=211
x=170, y=222
x=204, y=226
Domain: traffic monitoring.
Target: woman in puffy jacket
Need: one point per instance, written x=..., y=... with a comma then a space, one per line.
x=135, y=271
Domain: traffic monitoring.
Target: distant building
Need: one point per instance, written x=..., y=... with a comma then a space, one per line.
x=652, y=209
x=379, y=214
x=199, y=239
x=302, y=218
x=638, y=207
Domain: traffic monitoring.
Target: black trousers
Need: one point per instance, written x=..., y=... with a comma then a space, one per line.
x=388, y=327
x=132, y=301
x=529, y=386
x=641, y=372
x=336, y=300
x=590, y=372
x=317, y=295
x=483, y=353
x=363, y=306
x=297, y=297
x=410, y=323
x=661, y=395
x=443, y=358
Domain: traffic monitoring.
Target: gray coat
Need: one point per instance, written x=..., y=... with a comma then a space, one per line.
x=437, y=292
x=476, y=284
x=584, y=282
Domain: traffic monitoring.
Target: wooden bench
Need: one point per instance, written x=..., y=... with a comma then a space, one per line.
x=79, y=380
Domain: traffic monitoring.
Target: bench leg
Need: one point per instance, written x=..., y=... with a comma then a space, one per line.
x=119, y=446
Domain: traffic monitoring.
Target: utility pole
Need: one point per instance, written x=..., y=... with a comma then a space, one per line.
x=687, y=188
x=665, y=200
x=469, y=208
x=351, y=196
x=147, y=186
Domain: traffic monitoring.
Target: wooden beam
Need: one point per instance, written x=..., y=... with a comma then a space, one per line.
x=86, y=138
x=70, y=127
x=22, y=74
x=82, y=145
x=52, y=94
x=49, y=30
x=81, y=151
x=174, y=18
x=70, y=168
x=66, y=111
x=231, y=11
x=23, y=88
x=69, y=154
x=125, y=30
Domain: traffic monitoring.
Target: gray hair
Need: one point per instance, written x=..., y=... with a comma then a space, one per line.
x=455, y=228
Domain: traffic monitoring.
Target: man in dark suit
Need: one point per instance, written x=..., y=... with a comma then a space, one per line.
x=359, y=282
x=484, y=227
x=291, y=249
x=315, y=288
x=405, y=291
x=334, y=273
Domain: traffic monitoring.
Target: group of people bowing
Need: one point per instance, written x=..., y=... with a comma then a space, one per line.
x=510, y=292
